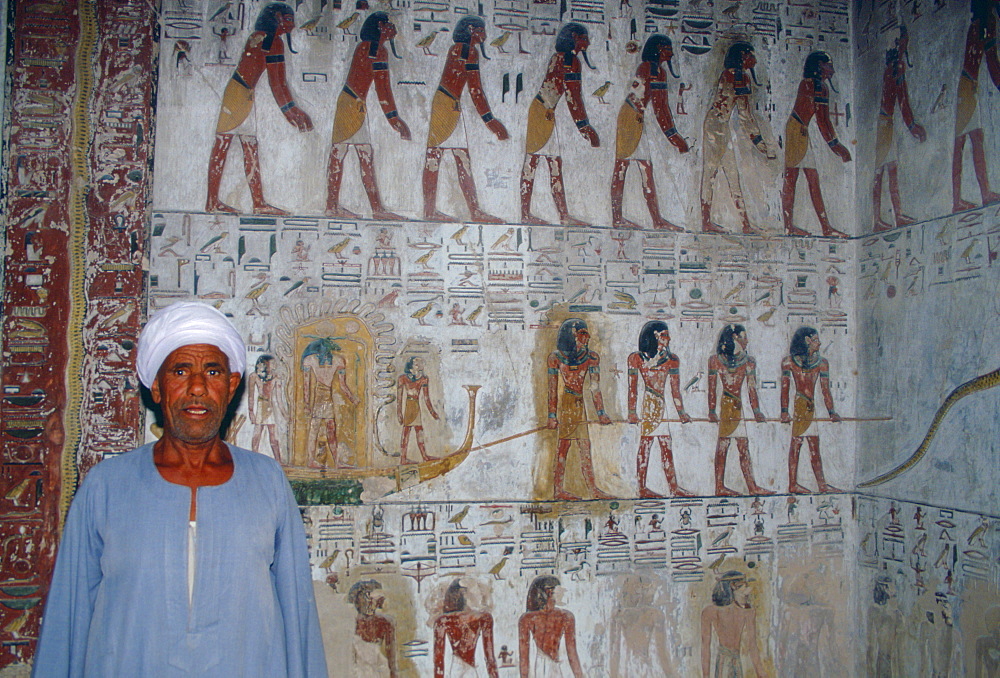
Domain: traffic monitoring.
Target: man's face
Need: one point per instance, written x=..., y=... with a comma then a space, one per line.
x=740, y=341
x=749, y=59
x=286, y=22
x=741, y=592
x=387, y=30
x=662, y=338
x=194, y=387
x=261, y=369
x=826, y=70
x=666, y=53
x=581, y=42
x=582, y=338
x=812, y=342
x=417, y=368
x=477, y=36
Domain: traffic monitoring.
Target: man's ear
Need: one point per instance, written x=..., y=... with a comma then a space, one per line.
x=234, y=383
x=154, y=389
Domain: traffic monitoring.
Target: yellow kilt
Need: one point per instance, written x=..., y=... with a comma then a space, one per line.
x=796, y=142
x=629, y=132
x=966, y=108
x=237, y=102
x=349, y=117
x=541, y=122
x=802, y=415
x=573, y=417
x=445, y=113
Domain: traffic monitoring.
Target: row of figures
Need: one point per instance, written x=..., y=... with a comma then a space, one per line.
x=369, y=67
x=573, y=363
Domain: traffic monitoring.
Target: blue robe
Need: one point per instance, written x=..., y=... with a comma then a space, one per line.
x=118, y=604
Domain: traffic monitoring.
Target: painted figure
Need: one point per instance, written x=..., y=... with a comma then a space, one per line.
x=409, y=387
x=263, y=398
x=562, y=76
x=461, y=69
x=732, y=365
x=980, y=41
x=264, y=50
x=732, y=92
x=656, y=364
x=805, y=365
x=988, y=646
x=639, y=633
x=732, y=618
x=324, y=391
x=462, y=626
x=884, y=622
x=549, y=626
x=572, y=363
x=374, y=643
x=894, y=90
x=649, y=87
x=369, y=65
x=813, y=101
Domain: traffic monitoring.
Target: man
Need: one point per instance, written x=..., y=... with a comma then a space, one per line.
x=980, y=41
x=730, y=616
x=324, y=390
x=806, y=366
x=733, y=92
x=462, y=626
x=370, y=65
x=374, y=645
x=649, y=87
x=562, y=76
x=656, y=364
x=409, y=387
x=732, y=365
x=549, y=626
x=186, y=556
x=461, y=69
x=573, y=362
x=894, y=90
x=263, y=398
x=264, y=51
x=813, y=101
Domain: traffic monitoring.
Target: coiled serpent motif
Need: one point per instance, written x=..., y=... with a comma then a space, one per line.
x=980, y=383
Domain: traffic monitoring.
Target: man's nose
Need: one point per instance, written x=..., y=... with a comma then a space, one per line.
x=197, y=383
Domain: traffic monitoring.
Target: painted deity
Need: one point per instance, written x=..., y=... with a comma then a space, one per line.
x=461, y=70
x=732, y=619
x=639, y=633
x=884, y=621
x=369, y=65
x=894, y=91
x=648, y=90
x=805, y=366
x=374, y=642
x=732, y=93
x=656, y=365
x=462, y=626
x=325, y=390
x=732, y=366
x=410, y=386
x=812, y=102
x=264, y=51
x=562, y=76
x=264, y=398
x=574, y=366
x=980, y=42
x=549, y=626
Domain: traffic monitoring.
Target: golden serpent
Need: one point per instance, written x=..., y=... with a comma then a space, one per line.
x=980, y=383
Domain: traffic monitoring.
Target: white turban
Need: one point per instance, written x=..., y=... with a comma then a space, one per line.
x=182, y=324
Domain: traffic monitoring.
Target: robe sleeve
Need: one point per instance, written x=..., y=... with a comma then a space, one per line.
x=62, y=643
x=293, y=584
